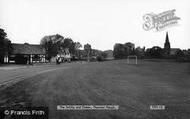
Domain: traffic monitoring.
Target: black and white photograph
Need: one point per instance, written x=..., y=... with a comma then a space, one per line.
x=94, y=59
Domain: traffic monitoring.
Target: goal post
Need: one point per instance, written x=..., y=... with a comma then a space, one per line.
x=132, y=57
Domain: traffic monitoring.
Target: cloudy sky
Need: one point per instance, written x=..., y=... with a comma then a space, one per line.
x=102, y=23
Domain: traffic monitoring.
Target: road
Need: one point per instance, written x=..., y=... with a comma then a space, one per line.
x=11, y=73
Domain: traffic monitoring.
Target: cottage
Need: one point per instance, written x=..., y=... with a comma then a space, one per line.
x=64, y=55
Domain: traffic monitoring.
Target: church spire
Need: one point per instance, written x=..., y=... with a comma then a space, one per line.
x=167, y=46
x=167, y=38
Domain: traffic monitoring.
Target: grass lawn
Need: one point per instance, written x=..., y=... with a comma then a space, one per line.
x=133, y=87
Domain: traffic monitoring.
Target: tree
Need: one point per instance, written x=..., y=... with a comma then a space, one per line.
x=3, y=35
x=88, y=49
x=77, y=46
x=50, y=45
x=121, y=51
x=154, y=52
x=140, y=52
x=68, y=43
x=179, y=54
x=5, y=45
x=56, y=43
x=188, y=54
x=104, y=55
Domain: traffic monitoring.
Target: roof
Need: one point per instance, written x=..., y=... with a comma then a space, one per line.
x=27, y=49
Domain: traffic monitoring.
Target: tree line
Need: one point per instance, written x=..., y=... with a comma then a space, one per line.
x=121, y=51
x=54, y=44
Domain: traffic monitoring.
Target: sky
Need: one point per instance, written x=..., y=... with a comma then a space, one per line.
x=101, y=23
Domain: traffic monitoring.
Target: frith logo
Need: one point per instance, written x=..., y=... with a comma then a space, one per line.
x=160, y=21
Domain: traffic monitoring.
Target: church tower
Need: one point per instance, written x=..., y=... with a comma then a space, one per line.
x=167, y=46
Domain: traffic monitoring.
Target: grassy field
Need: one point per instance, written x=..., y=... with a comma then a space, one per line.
x=133, y=87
